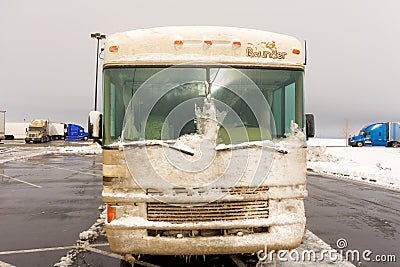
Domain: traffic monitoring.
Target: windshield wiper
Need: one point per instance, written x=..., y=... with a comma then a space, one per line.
x=279, y=149
x=184, y=149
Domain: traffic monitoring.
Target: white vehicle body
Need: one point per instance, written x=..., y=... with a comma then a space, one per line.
x=239, y=188
x=2, y=124
x=16, y=130
x=57, y=130
x=95, y=124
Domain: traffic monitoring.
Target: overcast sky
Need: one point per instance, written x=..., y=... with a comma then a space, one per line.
x=47, y=58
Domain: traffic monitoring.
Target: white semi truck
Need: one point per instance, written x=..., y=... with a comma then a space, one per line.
x=38, y=131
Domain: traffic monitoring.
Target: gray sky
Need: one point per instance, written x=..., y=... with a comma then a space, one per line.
x=47, y=58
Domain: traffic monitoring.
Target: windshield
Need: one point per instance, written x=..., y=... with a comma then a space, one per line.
x=35, y=128
x=157, y=103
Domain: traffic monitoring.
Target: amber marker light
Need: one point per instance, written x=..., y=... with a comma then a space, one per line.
x=110, y=213
x=296, y=51
x=113, y=48
x=236, y=43
x=207, y=42
x=178, y=43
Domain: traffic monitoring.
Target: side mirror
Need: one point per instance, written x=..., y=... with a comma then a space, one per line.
x=95, y=126
x=310, y=125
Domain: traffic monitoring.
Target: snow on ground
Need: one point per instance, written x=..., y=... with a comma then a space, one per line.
x=376, y=165
x=10, y=153
x=94, y=148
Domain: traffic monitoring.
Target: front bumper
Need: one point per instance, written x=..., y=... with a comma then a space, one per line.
x=33, y=139
x=130, y=241
x=351, y=142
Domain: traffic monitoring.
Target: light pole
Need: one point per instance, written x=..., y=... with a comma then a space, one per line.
x=97, y=36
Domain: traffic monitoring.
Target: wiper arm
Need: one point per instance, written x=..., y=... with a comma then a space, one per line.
x=186, y=150
x=279, y=149
x=180, y=149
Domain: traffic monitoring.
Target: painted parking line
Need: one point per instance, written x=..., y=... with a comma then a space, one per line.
x=88, y=247
x=65, y=169
x=21, y=181
x=10, y=252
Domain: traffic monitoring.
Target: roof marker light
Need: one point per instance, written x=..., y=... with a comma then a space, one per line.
x=113, y=48
x=296, y=51
x=178, y=43
x=236, y=43
x=207, y=42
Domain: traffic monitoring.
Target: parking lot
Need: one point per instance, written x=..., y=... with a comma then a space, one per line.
x=50, y=206
x=46, y=200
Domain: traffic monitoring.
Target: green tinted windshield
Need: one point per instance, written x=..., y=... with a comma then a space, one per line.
x=155, y=103
x=35, y=128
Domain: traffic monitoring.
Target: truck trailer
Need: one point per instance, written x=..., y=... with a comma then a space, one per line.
x=2, y=125
x=377, y=134
x=16, y=130
x=58, y=130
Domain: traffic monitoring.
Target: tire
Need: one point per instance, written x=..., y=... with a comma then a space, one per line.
x=395, y=144
x=359, y=144
x=85, y=138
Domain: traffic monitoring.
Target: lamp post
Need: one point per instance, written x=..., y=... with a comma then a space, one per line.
x=97, y=36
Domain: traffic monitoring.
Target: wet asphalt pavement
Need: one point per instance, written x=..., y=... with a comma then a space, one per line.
x=367, y=217
x=60, y=202
x=64, y=193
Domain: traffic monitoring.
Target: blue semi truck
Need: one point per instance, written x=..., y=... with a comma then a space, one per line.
x=76, y=132
x=378, y=134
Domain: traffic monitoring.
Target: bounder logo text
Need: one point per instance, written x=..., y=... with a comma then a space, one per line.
x=264, y=50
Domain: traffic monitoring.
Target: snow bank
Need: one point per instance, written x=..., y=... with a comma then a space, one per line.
x=376, y=165
x=86, y=149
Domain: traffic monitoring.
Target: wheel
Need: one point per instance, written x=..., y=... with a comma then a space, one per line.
x=395, y=144
x=85, y=138
x=359, y=144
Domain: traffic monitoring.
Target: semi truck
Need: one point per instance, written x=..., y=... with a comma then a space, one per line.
x=38, y=131
x=53, y=131
x=76, y=132
x=2, y=125
x=67, y=131
x=377, y=134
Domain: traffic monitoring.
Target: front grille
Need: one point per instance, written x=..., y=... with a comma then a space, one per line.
x=32, y=135
x=216, y=211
